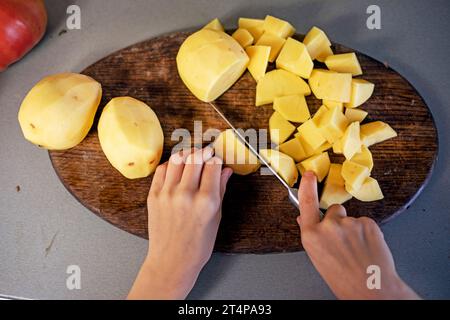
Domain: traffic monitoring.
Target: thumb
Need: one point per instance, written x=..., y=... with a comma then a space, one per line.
x=225, y=176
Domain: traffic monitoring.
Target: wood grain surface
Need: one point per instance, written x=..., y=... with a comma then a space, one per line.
x=257, y=216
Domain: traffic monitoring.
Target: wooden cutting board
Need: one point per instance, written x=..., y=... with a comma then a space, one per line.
x=257, y=217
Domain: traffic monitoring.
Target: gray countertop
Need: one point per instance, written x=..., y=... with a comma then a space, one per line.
x=413, y=40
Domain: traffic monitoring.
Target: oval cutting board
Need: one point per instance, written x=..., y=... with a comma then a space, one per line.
x=257, y=217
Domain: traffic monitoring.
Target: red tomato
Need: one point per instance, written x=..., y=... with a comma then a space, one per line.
x=22, y=26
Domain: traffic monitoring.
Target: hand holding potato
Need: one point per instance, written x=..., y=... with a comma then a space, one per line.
x=341, y=248
x=184, y=206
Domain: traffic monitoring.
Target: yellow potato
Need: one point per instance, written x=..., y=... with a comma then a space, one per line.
x=280, y=129
x=235, y=154
x=131, y=137
x=333, y=124
x=369, y=191
x=294, y=149
x=364, y=158
x=254, y=26
x=355, y=115
x=334, y=188
x=319, y=114
x=317, y=43
x=59, y=110
x=324, y=53
x=278, y=27
x=311, y=134
x=375, y=132
x=351, y=142
x=344, y=62
x=337, y=146
x=244, y=37
x=274, y=42
x=293, y=108
x=278, y=83
x=362, y=90
x=259, y=58
x=214, y=25
x=331, y=104
x=210, y=62
x=330, y=85
x=319, y=164
x=354, y=174
x=294, y=57
x=310, y=151
x=282, y=164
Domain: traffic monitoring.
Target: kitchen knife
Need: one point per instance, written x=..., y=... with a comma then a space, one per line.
x=292, y=192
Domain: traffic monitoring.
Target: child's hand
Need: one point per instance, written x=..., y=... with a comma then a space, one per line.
x=341, y=248
x=184, y=207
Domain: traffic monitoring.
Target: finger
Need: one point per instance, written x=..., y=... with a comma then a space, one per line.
x=309, y=200
x=175, y=167
x=335, y=212
x=210, y=179
x=224, y=177
x=159, y=178
x=194, y=166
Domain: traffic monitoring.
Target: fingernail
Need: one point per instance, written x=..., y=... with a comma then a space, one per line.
x=229, y=172
x=309, y=174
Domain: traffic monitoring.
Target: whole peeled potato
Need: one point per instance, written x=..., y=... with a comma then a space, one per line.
x=59, y=111
x=209, y=62
x=131, y=137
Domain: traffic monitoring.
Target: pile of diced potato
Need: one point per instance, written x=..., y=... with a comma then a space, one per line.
x=302, y=139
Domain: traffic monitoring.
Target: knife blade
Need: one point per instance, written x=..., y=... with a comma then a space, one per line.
x=292, y=192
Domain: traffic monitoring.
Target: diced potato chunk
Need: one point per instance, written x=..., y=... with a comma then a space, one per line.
x=210, y=62
x=235, y=154
x=278, y=27
x=282, y=164
x=375, y=132
x=362, y=90
x=317, y=43
x=248, y=23
x=335, y=175
x=324, y=147
x=274, y=42
x=319, y=164
x=333, y=194
x=334, y=188
x=331, y=104
x=364, y=158
x=344, y=62
x=330, y=85
x=254, y=26
x=244, y=37
x=295, y=58
x=259, y=58
x=280, y=129
x=333, y=125
x=337, y=147
x=319, y=114
x=293, y=108
x=131, y=137
x=369, y=191
x=355, y=115
x=326, y=51
x=294, y=149
x=214, y=25
x=351, y=142
x=278, y=83
x=354, y=174
x=311, y=134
